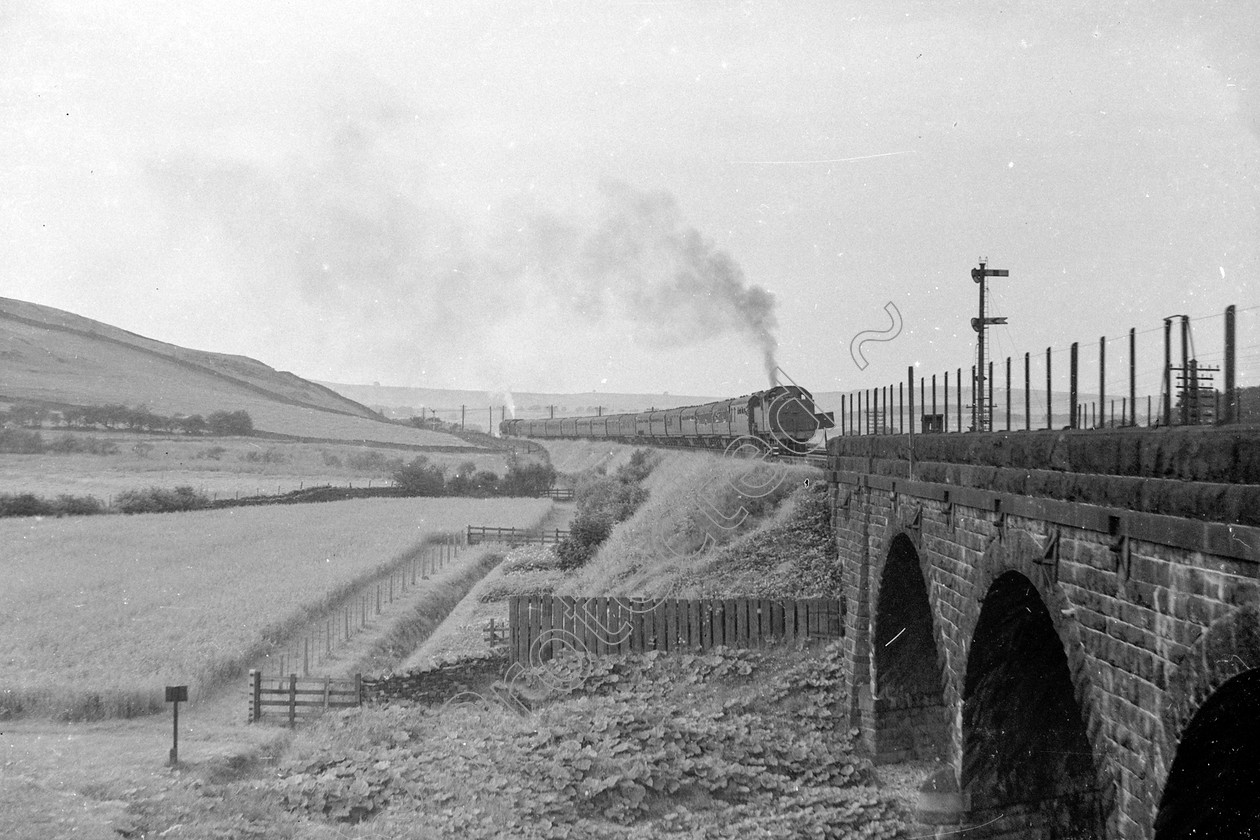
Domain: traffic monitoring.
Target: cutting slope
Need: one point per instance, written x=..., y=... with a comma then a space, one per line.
x=54, y=357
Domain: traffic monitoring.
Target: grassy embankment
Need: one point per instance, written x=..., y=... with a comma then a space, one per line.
x=714, y=526
x=98, y=613
x=672, y=546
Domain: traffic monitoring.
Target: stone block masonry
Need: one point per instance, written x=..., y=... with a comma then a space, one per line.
x=1058, y=616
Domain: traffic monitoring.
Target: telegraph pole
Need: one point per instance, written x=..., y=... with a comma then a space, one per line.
x=980, y=417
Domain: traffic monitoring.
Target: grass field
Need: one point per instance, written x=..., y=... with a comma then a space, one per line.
x=98, y=613
x=219, y=467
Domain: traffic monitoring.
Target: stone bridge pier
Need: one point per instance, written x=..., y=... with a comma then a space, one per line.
x=1068, y=622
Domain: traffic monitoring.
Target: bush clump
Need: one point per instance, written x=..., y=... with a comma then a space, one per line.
x=225, y=423
x=78, y=505
x=270, y=455
x=25, y=504
x=603, y=502
x=28, y=504
x=420, y=477
x=20, y=442
x=161, y=500
x=528, y=479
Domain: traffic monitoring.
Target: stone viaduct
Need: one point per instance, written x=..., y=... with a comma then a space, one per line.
x=1068, y=621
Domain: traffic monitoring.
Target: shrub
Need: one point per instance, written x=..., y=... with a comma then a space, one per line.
x=28, y=504
x=212, y=453
x=371, y=460
x=270, y=455
x=224, y=423
x=638, y=467
x=160, y=500
x=528, y=479
x=610, y=498
x=602, y=503
x=25, y=504
x=99, y=447
x=65, y=444
x=485, y=482
x=420, y=478
x=194, y=424
x=330, y=459
x=586, y=534
x=21, y=442
x=78, y=505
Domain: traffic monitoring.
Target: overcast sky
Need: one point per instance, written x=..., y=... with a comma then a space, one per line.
x=626, y=196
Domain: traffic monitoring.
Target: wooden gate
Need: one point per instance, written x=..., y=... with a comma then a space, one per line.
x=302, y=696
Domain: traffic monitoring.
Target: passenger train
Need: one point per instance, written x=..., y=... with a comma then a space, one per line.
x=782, y=420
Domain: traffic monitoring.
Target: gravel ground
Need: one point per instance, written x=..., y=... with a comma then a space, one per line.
x=903, y=779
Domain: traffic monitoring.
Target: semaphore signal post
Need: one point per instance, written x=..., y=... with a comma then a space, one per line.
x=981, y=407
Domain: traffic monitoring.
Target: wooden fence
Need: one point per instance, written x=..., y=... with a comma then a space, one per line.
x=560, y=494
x=301, y=696
x=513, y=536
x=539, y=625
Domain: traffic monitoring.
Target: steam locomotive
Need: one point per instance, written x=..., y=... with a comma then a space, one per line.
x=782, y=419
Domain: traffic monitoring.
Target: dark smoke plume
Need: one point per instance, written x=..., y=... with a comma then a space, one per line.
x=642, y=261
x=348, y=230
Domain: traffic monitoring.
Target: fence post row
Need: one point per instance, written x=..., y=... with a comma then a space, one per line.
x=610, y=625
x=870, y=411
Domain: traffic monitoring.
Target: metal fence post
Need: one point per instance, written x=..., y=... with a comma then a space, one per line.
x=1028, y=392
x=1049, y=394
x=1132, y=376
x=1072, y=400
x=1231, y=394
x=1102, y=379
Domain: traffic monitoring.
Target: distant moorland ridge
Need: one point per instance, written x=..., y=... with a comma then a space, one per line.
x=55, y=358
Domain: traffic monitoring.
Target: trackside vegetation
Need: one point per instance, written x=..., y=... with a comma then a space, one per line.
x=602, y=502
x=422, y=477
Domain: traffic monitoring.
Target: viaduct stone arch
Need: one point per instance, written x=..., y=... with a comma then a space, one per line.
x=1207, y=776
x=908, y=713
x=1140, y=554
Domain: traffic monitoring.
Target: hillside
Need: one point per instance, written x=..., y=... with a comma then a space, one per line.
x=56, y=358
